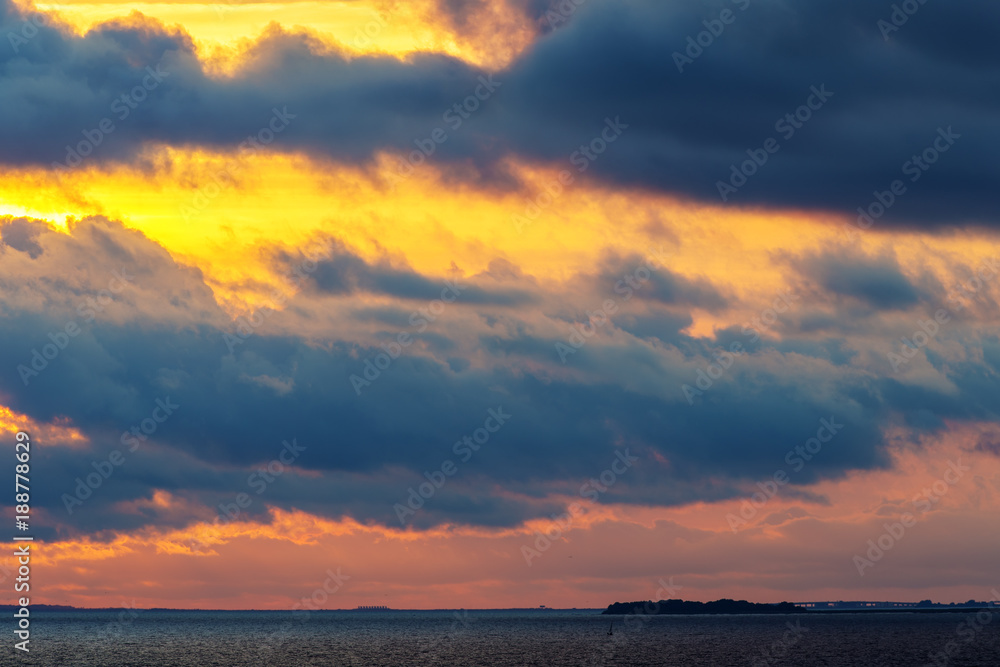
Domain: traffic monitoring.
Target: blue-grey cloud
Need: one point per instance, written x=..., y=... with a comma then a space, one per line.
x=876, y=281
x=892, y=100
x=161, y=339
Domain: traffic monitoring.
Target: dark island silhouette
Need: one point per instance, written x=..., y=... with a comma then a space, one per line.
x=724, y=606
x=727, y=606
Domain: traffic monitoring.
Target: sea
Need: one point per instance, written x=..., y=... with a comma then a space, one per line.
x=151, y=638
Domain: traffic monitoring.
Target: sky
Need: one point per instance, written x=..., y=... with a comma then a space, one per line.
x=454, y=303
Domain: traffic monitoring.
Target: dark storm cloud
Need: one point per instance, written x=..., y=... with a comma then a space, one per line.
x=650, y=279
x=21, y=234
x=688, y=129
x=876, y=281
x=162, y=341
x=612, y=60
x=665, y=327
x=343, y=272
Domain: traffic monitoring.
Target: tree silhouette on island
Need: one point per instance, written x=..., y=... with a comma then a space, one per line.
x=723, y=606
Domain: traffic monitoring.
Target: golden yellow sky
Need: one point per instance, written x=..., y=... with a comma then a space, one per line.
x=227, y=233
x=221, y=30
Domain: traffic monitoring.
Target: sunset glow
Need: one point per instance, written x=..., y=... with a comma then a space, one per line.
x=330, y=307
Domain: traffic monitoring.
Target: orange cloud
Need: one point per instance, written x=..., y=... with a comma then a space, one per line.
x=58, y=432
x=223, y=31
x=792, y=549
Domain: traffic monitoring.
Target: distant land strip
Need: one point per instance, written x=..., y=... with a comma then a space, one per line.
x=724, y=606
x=727, y=606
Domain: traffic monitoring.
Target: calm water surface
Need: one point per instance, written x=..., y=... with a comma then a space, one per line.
x=499, y=639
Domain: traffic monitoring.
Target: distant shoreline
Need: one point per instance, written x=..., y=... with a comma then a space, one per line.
x=726, y=607
x=904, y=610
x=799, y=610
x=69, y=608
x=886, y=610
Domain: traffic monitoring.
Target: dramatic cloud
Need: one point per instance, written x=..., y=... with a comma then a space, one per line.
x=913, y=107
x=159, y=336
x=877, y=282
x=286, y=290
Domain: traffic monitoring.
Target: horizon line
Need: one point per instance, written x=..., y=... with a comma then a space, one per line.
x=43, y=606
